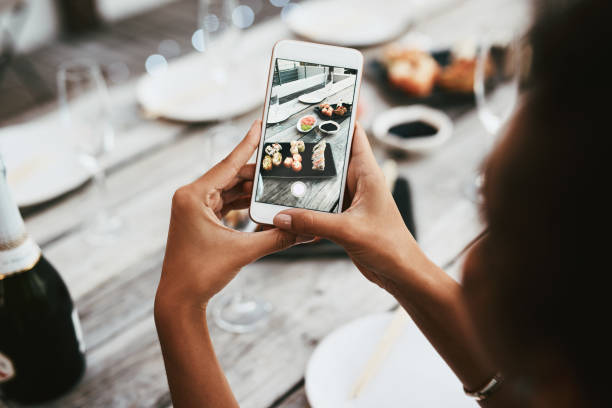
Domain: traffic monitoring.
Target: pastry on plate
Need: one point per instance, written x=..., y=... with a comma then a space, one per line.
x=411, y=70
x=459, y=75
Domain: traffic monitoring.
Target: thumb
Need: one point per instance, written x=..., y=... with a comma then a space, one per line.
x=314, y=223
x=258, y=244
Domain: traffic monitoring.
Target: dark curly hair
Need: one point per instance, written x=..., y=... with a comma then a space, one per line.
x=546, y=253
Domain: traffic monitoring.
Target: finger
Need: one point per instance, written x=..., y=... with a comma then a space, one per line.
x=361, y=146
x=246, y=172
x=240, y=204
x=361, y=163
x=258, y=244
x=228, y=168
x=233, y=194
x=313, y=223
x=247, y=187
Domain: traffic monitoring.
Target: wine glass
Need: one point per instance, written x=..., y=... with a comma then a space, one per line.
x=276, y=110
x=496, y=88
x=86, y=115
x=220, y=23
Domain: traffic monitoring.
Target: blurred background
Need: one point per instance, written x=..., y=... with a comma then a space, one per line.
x=108, y=106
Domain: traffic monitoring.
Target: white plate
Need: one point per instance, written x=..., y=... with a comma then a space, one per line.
x=221, y=83
x=313, y=97
x=192, y=89
x=298, y=124
x=412, y=375
x=277, y=116
x=350, y=23
x=40, y=163
x=404, y=114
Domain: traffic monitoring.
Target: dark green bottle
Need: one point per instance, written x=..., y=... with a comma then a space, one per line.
x=41, y=349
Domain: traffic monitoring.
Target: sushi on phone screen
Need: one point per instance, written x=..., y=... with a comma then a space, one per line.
x=306, y=135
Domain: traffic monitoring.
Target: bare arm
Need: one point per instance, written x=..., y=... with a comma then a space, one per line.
x=375, y=237
x=197, y=266
x=194, y=374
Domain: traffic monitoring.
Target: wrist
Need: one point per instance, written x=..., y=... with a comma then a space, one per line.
x=171, y=304
x=420, y=280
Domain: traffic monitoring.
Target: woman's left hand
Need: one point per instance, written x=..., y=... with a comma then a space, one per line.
x=203, y=255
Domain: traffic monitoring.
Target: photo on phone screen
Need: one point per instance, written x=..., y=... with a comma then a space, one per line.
x=306, y=135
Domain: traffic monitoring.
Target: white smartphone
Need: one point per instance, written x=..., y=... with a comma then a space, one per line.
x=307, y=129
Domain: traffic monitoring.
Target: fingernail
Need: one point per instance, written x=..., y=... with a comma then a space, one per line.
x=282, y=220
x=302, y=239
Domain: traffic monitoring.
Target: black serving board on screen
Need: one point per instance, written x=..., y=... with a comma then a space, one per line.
x=307, y=171
x=377, y=71
x=324, y=248
x=334, y=117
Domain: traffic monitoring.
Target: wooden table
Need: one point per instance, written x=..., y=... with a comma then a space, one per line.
x=321, y=194
x=114, y=285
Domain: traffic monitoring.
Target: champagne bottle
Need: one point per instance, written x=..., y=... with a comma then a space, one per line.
x=41, y=349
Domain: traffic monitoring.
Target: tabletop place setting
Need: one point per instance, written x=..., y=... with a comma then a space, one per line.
x=147, y=150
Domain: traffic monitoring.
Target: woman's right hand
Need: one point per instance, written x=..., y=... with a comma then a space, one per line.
x=371, y=230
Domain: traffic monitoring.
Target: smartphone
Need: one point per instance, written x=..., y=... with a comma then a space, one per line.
x=307, y=129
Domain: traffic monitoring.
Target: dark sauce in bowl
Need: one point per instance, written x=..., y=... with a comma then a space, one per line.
x=414, y=129
x=329, y=127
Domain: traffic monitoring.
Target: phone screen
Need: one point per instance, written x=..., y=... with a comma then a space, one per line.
x=306, y=135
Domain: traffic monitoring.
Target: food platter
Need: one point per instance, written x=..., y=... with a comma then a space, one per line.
x=307, y=172
x=377, y=71
x=337, y=118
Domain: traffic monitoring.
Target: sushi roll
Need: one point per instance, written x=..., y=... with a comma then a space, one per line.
x=270, y=150
x=296, y=166
x=294, y=149
x=267, y=163
x=318, y=156
x=288, y=162
x=277, y=159
x=300, y=146
x=297, y=157
x=277, y=147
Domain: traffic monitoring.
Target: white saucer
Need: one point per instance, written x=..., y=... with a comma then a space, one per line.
x=411, y=113
x=329, y=132
x=412, y=375
x=40, y=163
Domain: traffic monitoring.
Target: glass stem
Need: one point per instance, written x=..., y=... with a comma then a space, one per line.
x=101, y=190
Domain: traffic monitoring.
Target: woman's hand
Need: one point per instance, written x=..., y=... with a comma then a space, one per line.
x=202, y=254
x=371, y=230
